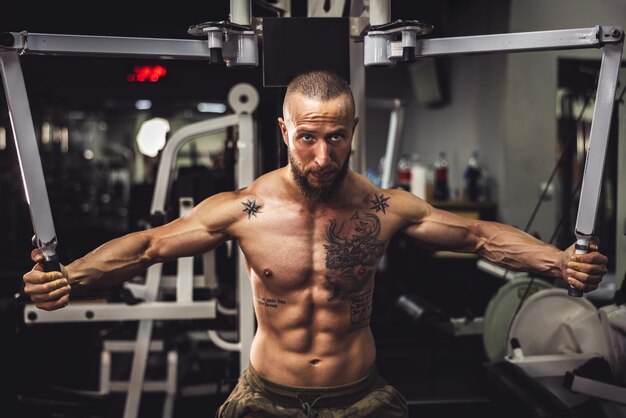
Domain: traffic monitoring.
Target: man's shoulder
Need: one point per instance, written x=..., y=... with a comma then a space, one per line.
x=391, y=201
x=363, y=189
x=255, y=194
x=265, y=185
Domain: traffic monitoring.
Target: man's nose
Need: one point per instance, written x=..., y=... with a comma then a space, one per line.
x=322, y=154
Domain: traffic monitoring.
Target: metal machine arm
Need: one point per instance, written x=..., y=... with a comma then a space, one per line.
x=28, y=157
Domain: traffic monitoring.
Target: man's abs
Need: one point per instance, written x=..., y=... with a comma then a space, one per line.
x=311, y=333
x=331, y=360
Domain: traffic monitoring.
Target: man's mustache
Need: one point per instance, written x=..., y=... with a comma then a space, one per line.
x=320, y=170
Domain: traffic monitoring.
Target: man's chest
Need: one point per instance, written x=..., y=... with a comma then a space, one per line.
x=341, y=248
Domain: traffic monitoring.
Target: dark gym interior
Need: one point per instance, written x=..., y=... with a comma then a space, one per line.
x=100, y=187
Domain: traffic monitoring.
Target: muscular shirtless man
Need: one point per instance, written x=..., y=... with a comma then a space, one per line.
x=313, y=233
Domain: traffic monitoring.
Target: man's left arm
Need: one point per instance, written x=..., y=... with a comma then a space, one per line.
x=505, y=246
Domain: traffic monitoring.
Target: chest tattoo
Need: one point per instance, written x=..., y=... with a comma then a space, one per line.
x=352, y=254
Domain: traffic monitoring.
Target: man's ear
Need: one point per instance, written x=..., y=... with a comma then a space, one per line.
x=283, y=131
x=356, y=122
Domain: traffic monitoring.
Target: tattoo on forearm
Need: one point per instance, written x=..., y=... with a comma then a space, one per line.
x=251, y=208
x=380, y=203
x=352, y=254
x=270, y=302
x=360, y=310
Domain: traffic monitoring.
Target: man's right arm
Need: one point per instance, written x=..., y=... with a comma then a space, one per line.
x=121, y=259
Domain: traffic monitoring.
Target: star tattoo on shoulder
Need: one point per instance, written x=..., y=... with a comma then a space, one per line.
x=380, y=203
x=251, y=208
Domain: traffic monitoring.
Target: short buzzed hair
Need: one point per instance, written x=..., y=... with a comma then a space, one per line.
x=321, y=85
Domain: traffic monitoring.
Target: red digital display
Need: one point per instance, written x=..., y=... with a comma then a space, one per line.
x=146, y=73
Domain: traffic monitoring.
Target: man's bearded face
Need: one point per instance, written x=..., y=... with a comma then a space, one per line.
x=324, y=190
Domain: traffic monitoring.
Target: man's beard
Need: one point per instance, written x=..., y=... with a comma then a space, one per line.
x=317, y=193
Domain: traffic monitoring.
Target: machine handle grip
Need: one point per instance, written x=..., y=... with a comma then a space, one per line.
x=581, y=247
x=51, y=259
x=51, y=263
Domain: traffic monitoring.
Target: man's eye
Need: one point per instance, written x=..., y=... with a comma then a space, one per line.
x=306, y=137
x=336, y=137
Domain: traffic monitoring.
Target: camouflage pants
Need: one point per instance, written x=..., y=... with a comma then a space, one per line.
x=257, y=397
